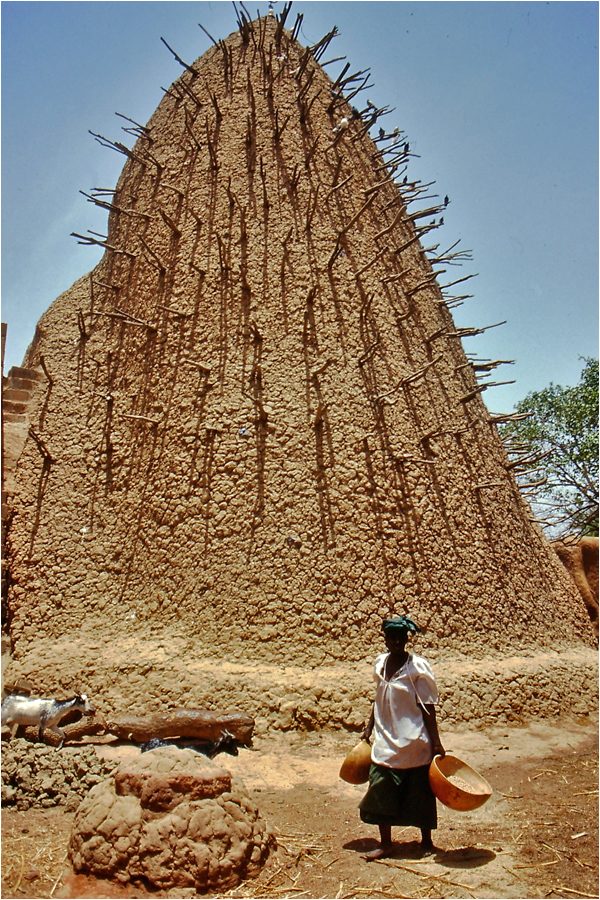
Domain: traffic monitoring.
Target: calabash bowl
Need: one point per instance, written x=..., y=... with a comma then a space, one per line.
x=441, y=771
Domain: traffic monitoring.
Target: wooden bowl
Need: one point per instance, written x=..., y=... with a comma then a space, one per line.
x=442, y=769
x=355, y=768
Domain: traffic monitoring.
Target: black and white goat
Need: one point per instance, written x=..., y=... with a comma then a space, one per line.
x=226, y=743
x=45, y=713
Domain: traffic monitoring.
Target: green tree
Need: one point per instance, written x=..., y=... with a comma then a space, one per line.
x=554, y=451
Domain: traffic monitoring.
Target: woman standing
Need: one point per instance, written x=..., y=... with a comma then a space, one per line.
x=405, y=740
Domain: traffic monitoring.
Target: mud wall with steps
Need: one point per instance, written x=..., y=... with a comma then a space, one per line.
x=263, y=426
x=23, y=393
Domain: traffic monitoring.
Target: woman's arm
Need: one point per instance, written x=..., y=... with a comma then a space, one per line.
x=432, y=729
x=367, y=732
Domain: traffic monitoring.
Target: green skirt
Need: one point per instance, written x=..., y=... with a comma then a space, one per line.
x=399, y=797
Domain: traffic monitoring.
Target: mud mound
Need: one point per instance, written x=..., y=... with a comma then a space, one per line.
x=170, y=818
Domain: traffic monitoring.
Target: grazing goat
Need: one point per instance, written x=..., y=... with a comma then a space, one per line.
x=225, y=744
x=18, y=710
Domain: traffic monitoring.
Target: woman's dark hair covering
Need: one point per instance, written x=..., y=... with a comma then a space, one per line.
x=400, y=623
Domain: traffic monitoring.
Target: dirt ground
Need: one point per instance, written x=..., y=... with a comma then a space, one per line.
x=536, y=837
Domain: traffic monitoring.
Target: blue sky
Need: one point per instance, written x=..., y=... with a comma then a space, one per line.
x=499, y=99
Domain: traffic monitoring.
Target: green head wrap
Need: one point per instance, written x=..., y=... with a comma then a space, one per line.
x=399, y=623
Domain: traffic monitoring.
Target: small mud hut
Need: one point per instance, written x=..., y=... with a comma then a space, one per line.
x=253, y=429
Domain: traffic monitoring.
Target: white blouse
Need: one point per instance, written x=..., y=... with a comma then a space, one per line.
x=400, y=738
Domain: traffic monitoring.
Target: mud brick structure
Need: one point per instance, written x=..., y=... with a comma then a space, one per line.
x=259, y=433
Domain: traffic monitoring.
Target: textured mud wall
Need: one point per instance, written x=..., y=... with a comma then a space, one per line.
x=580, y=558
x=263, y=430
x=140, y=674
x=36, y=775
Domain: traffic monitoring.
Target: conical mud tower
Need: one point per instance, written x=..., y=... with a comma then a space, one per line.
x=261, y=434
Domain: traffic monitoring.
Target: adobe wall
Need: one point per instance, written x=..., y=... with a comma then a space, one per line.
x=580, y=558
x=147, y=671
x=265, y=433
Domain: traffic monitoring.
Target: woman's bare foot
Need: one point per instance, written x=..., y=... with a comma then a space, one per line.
x=380, y=852
x=426, y=848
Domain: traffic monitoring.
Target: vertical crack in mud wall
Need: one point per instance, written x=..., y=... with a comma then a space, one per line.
x=263, y=427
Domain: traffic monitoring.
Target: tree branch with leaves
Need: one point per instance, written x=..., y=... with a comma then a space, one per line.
x=554, y=453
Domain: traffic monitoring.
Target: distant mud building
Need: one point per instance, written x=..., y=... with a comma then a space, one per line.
x=252, y=431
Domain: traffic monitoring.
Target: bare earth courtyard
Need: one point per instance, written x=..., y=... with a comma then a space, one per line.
x=536, y=837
